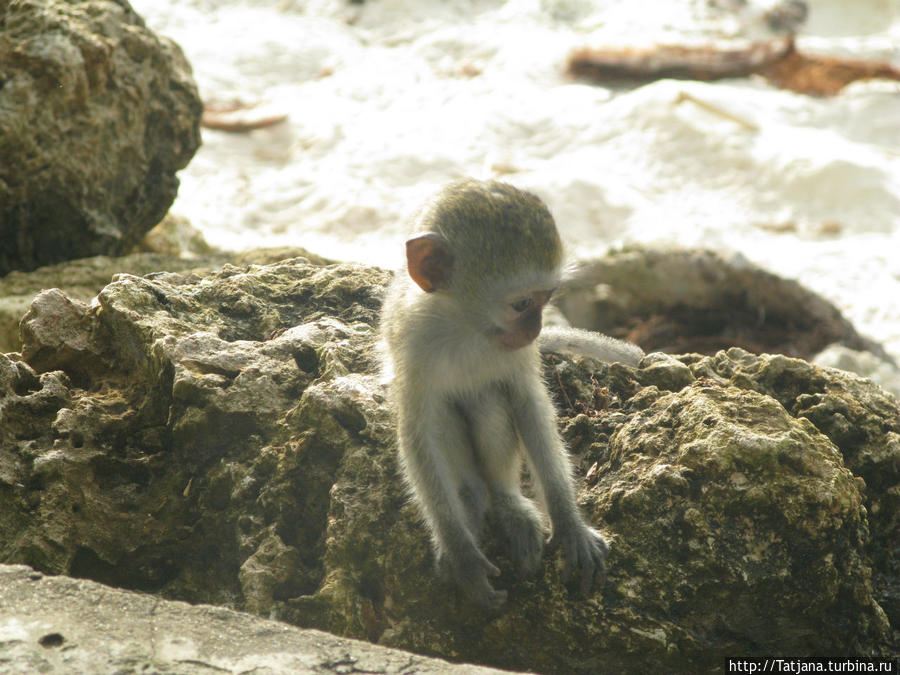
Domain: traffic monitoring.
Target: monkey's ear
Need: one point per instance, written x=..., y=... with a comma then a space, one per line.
x=429, y=261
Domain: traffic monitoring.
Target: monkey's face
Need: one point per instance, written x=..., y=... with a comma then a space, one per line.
x=518, y=320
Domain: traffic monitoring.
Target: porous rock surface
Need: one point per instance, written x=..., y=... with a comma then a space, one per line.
x=64, y=625
x=96, y=115
x=84, y=278
x=225, y=438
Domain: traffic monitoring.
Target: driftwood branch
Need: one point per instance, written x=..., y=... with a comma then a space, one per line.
x=776, y=60
x=678, y=62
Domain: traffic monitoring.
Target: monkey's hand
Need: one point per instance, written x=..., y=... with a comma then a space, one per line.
x=521, y=530
x=470, y=570
x=585, y=551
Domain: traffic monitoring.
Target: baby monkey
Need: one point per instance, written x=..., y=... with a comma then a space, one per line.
x=461, y=332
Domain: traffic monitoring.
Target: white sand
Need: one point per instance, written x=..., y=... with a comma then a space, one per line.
x=390, y=99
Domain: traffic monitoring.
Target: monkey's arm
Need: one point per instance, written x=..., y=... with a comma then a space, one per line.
x=584, y=548
x=433, y=452
x=588, y=343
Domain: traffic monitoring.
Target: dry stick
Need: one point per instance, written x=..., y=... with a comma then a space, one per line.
x=709, y=107
x=241, y=117
x=562, y=387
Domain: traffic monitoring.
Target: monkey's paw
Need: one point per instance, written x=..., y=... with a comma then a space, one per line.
x=526, y=548
x=521, y=531
x=470, y=571
x=585, y=551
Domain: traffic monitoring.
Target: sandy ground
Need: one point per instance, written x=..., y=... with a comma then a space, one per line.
x=387, y=100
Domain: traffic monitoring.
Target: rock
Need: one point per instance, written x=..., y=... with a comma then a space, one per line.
x=58, y=335
x=97, y=114
x=691, y=300
x=863, y=422
x=83, y=279
x=862, y=363
x=174, y=344
x=175, y=236
x=725, y=509
x=62, y=625
x=231, y=443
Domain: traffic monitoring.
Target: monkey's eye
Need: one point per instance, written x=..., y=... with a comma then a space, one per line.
x=523, y=304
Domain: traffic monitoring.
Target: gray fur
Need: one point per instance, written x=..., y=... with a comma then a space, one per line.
x=469, y=410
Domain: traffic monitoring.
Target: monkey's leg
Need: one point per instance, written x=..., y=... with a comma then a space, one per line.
x=584, y=547
x=436, y=457
x=470, y=486
x=473, y=495
x=515, y=517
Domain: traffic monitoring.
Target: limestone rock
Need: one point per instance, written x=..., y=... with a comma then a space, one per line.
x=82, y=279
x=61, y=625
x=97, y=114
x=175, y=236
x=231, y=443
x=690, y=300
x=739, y=507
x=862, y=363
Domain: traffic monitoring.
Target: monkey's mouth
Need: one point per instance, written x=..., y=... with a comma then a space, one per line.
x=512, y=340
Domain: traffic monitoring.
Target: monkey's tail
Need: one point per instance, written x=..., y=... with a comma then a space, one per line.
x=588, y=343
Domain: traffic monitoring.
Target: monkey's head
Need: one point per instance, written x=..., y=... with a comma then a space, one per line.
x=493, y=249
